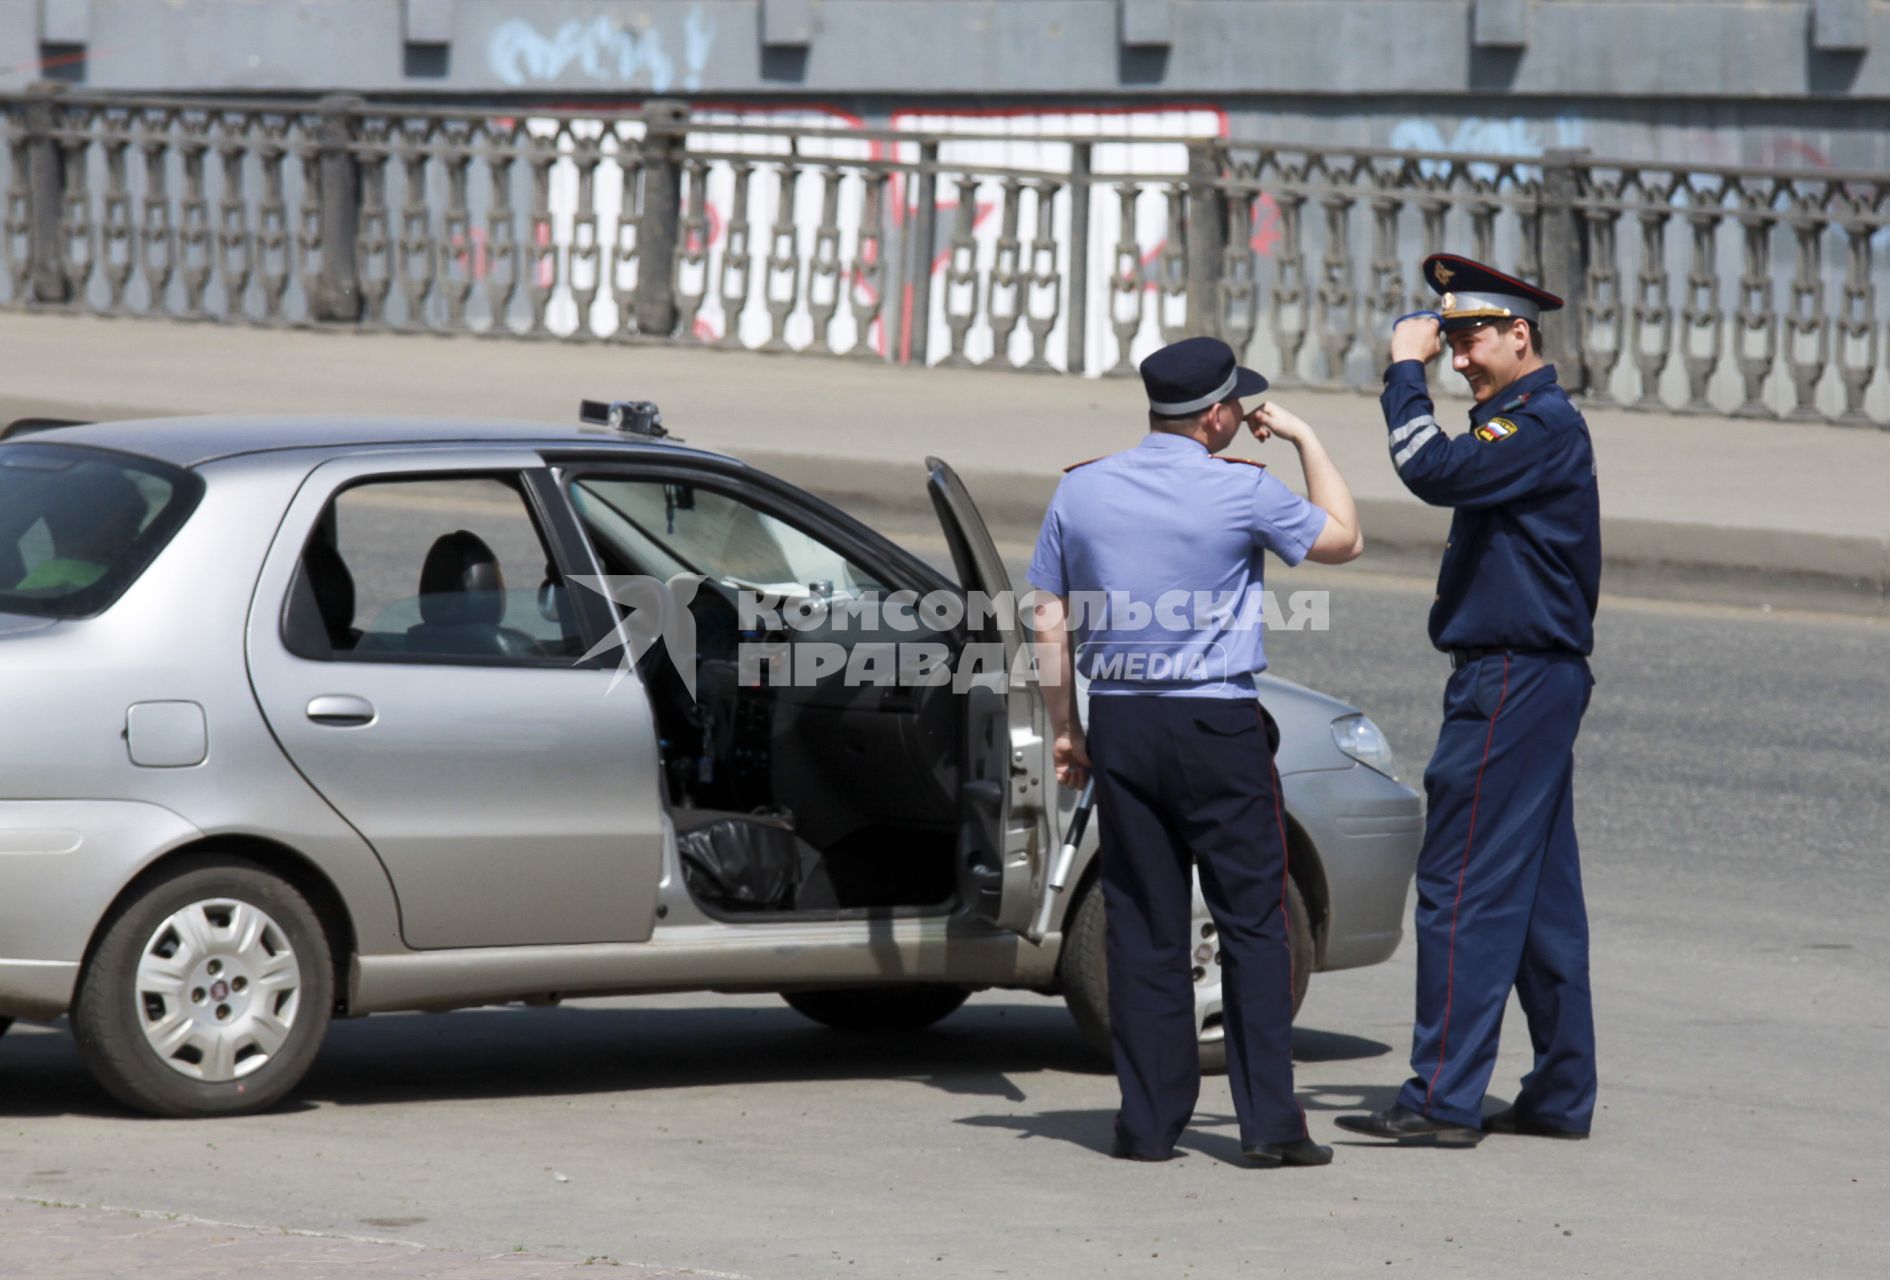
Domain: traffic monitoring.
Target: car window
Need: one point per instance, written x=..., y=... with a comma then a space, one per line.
x=438, y=569
x=663, y=528
x=78, y=525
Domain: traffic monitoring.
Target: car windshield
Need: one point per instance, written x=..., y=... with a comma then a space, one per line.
x=78, y=525
x=666, y=528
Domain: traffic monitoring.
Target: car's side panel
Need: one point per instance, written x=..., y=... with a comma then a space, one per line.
x=61, y=861
x=512, y=805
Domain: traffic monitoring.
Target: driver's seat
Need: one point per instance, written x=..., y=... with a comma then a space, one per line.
x=462, y=603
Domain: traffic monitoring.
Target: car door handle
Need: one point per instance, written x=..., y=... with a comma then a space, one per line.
x=340, y=709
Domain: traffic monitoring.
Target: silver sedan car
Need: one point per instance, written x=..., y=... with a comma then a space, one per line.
x=321, y=718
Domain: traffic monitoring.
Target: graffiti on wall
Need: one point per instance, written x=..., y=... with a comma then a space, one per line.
x=603, y=50
x=1477, y=135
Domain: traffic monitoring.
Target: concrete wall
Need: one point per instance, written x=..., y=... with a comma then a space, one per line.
x=1588, y=49
x=1727, y=81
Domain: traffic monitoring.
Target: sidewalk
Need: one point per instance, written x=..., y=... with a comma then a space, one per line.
x=1779, y=514
x=67, y=1242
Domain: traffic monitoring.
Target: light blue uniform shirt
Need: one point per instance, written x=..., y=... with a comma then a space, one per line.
x=1160, y=548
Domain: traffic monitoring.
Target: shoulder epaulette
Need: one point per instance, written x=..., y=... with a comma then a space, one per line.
x=1244, y=461
x=1084, y=463
x=1517, y=403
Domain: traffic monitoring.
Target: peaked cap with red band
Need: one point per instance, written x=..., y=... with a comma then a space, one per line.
x=1475, y=294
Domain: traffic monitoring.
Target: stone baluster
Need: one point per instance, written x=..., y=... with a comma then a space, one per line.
x=1004, y=297
x=1171, y=267
x=1653, y=316
x=866, y=287
x=823, y=271
x=157, y=241
x=1703, y=322
x=462, y=258
x=1128, y=281
x=962, y=282
x=1043, y=282
x=689, y=249
x=782, y=283
x=1756, y=318
x=236, y=240
x=1338, y=315
x=273, y=259
x=196, y=251
x=1808, y=328
x=737, y=262
x=541, y=256
x=1857, y=318
x=502, y=255
x=418, y=258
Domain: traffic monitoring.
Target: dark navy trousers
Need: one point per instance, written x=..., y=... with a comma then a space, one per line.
x=1499, y=902
x=1181, y=781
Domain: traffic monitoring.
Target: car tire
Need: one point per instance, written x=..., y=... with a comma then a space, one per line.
x=911, y=1007
x=1084, y=970
x=207, y=994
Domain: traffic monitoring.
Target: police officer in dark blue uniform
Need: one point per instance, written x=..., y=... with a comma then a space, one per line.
x=1158, y=550
x=1499, y=880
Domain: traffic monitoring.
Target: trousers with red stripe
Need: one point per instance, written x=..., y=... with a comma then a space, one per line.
x=1500, y=894
x=1182, y=781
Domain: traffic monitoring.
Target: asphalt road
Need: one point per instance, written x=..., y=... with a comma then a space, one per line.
x=1732, y=810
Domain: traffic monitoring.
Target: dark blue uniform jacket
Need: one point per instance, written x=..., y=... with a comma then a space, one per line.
x=1522, y=568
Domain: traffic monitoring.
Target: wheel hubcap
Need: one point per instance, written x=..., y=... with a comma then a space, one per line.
x=218, y=990
x=1207, y=971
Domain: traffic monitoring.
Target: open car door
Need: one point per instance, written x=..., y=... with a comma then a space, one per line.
x=1002, y=841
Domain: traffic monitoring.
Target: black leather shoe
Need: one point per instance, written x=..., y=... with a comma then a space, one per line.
x=1301, y=1153
x=1401, y=1124
x=1522, y=1124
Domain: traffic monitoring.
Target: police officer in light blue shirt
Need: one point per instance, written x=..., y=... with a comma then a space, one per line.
x=1154, y=556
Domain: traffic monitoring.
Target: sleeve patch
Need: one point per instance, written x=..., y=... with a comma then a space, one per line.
x=1495, y=429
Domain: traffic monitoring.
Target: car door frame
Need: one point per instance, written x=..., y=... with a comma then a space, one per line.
x=1012, y=891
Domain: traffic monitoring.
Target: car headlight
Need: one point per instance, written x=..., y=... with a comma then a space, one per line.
x=1366, y=743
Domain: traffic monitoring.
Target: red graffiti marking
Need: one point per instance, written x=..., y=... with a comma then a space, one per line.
x=1782, y=152
x=473, y=260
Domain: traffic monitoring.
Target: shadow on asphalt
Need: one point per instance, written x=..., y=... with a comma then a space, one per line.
x=573, y=1050
x=1212, y=1135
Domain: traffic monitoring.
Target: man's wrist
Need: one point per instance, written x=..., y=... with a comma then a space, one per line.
x=1408, y=368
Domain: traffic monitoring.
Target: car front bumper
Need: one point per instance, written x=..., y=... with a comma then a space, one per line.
x=1367, y=830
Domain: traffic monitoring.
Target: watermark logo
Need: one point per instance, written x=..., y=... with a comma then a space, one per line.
x=650, y=609
x=908, y=639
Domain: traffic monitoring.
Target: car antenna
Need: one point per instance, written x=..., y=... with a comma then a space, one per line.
x=631, y=417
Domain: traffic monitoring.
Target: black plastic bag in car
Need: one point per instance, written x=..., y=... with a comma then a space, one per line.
x=742, y=861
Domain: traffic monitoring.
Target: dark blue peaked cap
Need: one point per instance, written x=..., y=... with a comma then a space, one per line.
x=1475, y=294
x=1187, y=376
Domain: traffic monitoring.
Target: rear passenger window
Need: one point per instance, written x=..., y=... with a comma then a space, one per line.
x=78, y=525
x=440, y=570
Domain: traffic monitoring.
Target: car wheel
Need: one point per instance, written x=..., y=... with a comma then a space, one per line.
x=878, y=1009
x=1084, y=969
x=207, y=995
